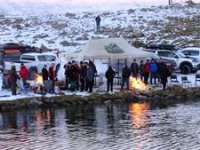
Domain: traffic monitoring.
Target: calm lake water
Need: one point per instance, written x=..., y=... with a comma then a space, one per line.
x=107, y=127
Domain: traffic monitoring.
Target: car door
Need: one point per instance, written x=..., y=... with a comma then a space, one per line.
x=192, y=54
x=168, y=55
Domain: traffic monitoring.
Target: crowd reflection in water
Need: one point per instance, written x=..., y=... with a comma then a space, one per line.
x=96, y=123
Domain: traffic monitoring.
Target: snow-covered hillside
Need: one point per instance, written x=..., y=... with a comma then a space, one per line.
x=178, y=24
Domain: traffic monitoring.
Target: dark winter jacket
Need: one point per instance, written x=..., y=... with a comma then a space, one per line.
x=52, y=74
x=45, y=74
x=134, y=68
x=83, y=71
x=110, y=74
x=90, y=74
x=98, y=19
x=141, y=68
x=13, y=76
x=163, y=70
x=126, y=72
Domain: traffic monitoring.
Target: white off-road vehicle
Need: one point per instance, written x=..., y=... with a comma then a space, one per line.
x=185, y=65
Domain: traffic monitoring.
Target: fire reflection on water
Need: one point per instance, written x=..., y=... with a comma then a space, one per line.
x=139, y=114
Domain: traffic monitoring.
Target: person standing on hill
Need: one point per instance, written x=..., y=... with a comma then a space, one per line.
x=134, y=69
x=110, y=74
x=98, y=20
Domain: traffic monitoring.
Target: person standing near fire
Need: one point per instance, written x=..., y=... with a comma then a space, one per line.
x=45, y=77
x=134, y=69
x=52, y=77
x=23, y=75
x=146, y=71
x=164, y=73
x=83, y=72
x=110, y=74
x=125, y=77
x=141, y=70
x=153, y=70
x=12, y=79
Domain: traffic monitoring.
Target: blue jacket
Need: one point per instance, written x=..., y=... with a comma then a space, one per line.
x=153, y=67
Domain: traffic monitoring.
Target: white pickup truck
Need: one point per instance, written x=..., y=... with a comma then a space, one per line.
x=32, y=59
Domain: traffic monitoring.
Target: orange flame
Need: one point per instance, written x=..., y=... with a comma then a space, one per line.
x=38, y=79
x=137, y=84
x=139, y=114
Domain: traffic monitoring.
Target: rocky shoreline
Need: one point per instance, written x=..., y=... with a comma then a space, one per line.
x=156, y=98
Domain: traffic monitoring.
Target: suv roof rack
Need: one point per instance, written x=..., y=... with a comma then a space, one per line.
x=161, y=47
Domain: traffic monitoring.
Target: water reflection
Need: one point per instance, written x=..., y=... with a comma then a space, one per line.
x=110, y=126
x=139, y=114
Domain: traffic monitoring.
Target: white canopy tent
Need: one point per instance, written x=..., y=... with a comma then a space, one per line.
x=111, y=48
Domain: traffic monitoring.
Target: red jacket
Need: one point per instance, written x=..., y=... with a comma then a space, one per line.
x=52, y=73
x=23, y=72
x=147, y=67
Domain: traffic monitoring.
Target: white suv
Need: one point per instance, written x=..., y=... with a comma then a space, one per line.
x=186, y=65
x=191, y=52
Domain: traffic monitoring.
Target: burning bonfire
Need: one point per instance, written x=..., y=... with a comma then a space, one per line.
x=38, y=79
x=137, y=84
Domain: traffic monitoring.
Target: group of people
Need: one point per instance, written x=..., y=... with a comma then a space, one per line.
x=81, y=76
x=157, y=71
x=28, y=74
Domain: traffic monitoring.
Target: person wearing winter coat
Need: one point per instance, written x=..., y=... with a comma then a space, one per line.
x=141, y=70
x=90, y=78
x=45, y=73
x=125, y=77
x=110, y=74
x=52, y=77
x=13, y=80
x=98, y=20
x=24, y=76
x=67, y=68
x=153, y=71
x=45, y=77
x=83, y=72
x=164, y=73
x=146, y=71
x=134, y=69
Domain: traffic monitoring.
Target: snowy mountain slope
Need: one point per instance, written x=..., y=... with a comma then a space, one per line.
x=70, y=31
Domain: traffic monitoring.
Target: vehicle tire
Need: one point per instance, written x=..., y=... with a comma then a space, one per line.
x=185, y=69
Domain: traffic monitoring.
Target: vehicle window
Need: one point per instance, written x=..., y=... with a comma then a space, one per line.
x=164, y=54
x=46, y=58
x=28, y=57
x=191, y=53
x=172, y=55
